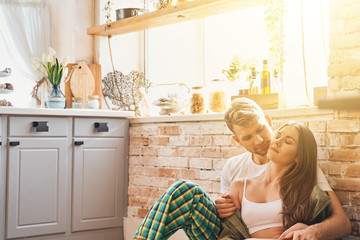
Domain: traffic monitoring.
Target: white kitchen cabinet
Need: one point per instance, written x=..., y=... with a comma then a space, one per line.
x=52, y=187
x=98, y=184
x=99, y=174
x=36, y=186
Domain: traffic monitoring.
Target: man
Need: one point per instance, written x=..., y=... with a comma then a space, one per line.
x=185, y=205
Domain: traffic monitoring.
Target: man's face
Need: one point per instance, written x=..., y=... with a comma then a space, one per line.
x=255, y=138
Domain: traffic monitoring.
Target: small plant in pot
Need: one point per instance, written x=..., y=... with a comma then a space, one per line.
x=240, y=71
x=50, y=67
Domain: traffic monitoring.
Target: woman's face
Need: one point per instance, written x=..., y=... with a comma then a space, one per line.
x=283, y=148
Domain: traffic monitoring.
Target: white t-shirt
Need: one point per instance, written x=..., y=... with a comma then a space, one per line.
x=242, y=166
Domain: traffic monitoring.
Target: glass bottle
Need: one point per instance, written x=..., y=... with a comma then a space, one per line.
x=197, y=100
x=265, y=78
x=217, y=96
x=77, y=102
x=93, y=102
x=254, y=85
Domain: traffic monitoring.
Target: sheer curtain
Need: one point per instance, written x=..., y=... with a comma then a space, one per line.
x=25, y=32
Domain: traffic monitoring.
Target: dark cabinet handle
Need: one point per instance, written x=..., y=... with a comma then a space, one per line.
x=78, y=143
x=102, y=127
x=0, y=143
x=14, y=143
x=40, y=126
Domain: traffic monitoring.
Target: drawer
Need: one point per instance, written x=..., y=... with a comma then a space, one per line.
x=96, y=127
x=38, y=126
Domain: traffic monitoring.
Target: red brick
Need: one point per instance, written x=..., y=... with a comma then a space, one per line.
x=325, y=167
x=344, y=197
x=150, y=151
x=210, y=152
x=214, y=128
x=190, y=128
x=189, y=151
x=321, y=139
x=347, y=184
x=347, y=140
x=218, y=164
x=135, y=149
x=224, y=140
x=159, y=140
x=210, y=175
x=145, y=191
x=355, y=198
x=347, y=126
x=189, y=174
x=200, y=163
x=201, y=140
x=142, y=171
x=168, y=172
x=334, y=169
x=178, y=162
x=139, y=201
x=348, y=155
x=318, y=126
x=228, y=152
x=169, y=151
x=169, y=130
x=142, y=212
x=352, y=170
x=139, y=140
x=180, y=140
x=143, y=130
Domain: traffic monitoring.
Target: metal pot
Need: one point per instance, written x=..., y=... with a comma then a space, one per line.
x=128, y=12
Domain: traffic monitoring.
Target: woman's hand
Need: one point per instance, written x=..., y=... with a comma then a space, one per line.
x=236, y=191
x=225, y=206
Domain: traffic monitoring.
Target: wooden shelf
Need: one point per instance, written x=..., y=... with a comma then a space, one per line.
x=179, y=13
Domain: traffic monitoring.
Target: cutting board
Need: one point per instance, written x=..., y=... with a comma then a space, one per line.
x=81, y=87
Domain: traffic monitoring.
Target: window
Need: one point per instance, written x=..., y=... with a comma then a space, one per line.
x=195, y=52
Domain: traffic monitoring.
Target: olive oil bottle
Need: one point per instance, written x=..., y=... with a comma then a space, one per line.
x=265, y=78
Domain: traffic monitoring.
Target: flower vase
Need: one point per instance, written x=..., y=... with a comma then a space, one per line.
x=55, y=98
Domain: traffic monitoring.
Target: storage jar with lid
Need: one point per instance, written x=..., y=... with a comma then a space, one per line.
x=197, y=100
x=217, y=96
x=93, y=102
x=77, y=102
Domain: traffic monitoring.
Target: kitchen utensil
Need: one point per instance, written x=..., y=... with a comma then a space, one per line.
x=128, y=12
x=96, y=72
x=82, y=83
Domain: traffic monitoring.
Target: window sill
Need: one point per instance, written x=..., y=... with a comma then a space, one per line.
x=299, y=114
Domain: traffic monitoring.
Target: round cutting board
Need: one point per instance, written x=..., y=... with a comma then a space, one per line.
x=82, y=83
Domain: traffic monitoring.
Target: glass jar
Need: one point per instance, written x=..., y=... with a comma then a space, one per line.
x=197, y=100
x=217, y=96
x=93, y=102
x=77, y=102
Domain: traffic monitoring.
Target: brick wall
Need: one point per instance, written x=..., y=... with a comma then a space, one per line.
x=162, y=153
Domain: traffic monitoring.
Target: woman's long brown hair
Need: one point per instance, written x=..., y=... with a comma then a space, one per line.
x=298, y=182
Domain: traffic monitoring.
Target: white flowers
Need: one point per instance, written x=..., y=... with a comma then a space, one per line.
x=49, y=66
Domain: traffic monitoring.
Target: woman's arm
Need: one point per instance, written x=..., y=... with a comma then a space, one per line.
x=236, y=192
x=336, y=226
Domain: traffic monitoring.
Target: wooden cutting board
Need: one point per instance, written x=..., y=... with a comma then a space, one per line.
x=81, y=87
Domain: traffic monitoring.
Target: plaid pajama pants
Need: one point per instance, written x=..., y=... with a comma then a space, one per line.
x=183, y=206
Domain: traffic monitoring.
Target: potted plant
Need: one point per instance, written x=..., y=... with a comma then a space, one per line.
x=239, y=72
x=50, y=67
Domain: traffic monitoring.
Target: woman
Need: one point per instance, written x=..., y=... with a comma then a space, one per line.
x=285, y=194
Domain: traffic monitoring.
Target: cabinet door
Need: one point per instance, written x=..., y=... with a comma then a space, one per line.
x=36, y=190
x=98, y=184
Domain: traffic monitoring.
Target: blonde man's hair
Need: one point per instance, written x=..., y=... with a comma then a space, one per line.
x=243, y=112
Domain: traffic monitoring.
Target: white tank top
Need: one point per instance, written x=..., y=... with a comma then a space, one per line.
x=259, y=216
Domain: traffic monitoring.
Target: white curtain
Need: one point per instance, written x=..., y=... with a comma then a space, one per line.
x=25, y=33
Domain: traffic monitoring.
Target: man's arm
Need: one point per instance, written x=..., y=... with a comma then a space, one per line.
x=335, y=226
